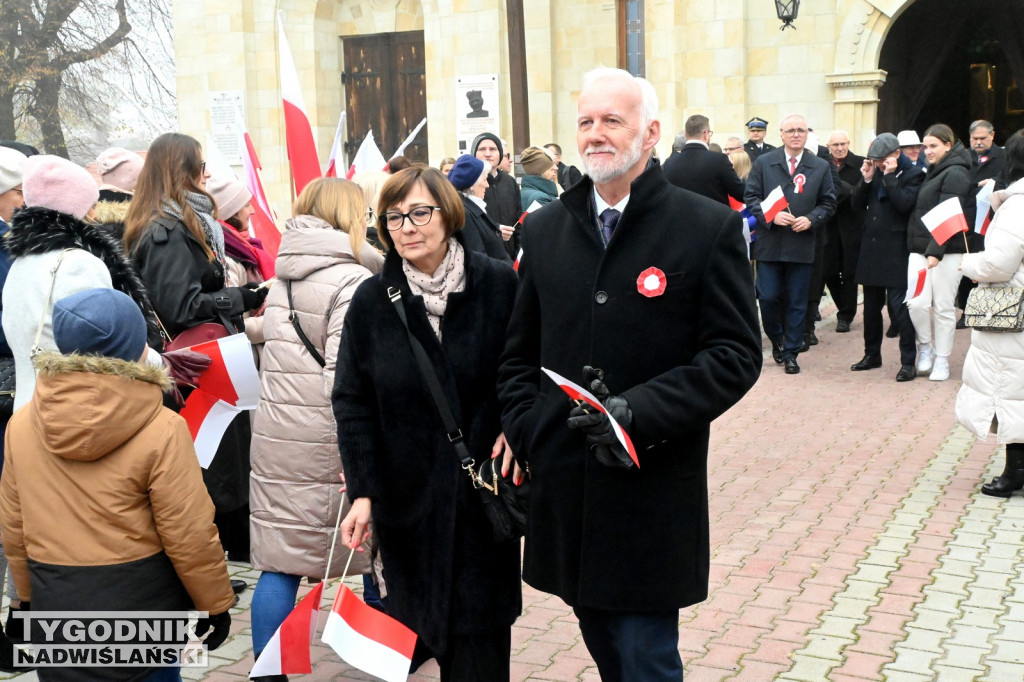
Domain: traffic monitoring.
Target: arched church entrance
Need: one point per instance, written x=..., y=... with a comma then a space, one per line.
x=953, y=62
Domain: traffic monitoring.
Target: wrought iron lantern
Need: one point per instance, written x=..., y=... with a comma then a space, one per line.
x=787, y=11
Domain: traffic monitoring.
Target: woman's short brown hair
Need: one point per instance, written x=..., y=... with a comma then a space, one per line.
x=401, y=183
x=941, y=132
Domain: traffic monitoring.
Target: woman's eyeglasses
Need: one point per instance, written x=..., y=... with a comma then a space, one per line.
x=418, y=216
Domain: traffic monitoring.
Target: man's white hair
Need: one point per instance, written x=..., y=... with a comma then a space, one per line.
x=838, y=132
x=649, y=98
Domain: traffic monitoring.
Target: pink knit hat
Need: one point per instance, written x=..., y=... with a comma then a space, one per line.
x=57, y=184
x=119, y=168
x=229, y=194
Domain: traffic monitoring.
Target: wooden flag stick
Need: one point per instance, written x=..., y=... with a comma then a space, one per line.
x=966, y=247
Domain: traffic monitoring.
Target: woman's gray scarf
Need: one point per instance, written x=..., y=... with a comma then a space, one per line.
x=202, y=205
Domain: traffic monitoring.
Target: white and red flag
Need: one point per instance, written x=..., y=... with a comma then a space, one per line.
x=262, y=222
x=529, y=209
x=983, y=201
x=945, y=220
x=773, y=203
x=367, y=639
x=287, y=652
x=577, y=392
x=519, y=257
x=408, y=140
x=368, y=157
x=298, y=132
x=228, y=386
x=922, y=275
x=332, y=163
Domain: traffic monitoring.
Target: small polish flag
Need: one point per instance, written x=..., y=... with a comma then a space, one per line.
x=577, y=392
x=261, y=223
x=529, y=209
x=773, y=203
x=519, y=257
x=368, y=157
x=228, y=386
x=983, y=201
x=922, y=274
x=287, y=652
x=409, y=140
x=945, y=220
x=367, y=639
x=298, y=133
x=332, y=170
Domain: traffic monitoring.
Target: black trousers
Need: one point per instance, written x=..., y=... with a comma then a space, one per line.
x=828, y=271
x=875, y=298
x=633, y=647
x=482, y=657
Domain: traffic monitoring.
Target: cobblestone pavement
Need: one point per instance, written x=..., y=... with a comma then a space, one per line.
x=849, y=543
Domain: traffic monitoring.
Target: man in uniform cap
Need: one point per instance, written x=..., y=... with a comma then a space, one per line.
x=756, y=146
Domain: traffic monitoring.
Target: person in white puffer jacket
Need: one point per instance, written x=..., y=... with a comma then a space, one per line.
x=991, y=399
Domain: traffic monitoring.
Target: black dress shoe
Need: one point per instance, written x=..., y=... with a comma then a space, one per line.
x=777, y=352
x=791, y=366
x=810, y=339
x=892, y=332
x=1004, y=485
x=867, y=362
x=238, y=586
x=906, y=373
x=843, y=326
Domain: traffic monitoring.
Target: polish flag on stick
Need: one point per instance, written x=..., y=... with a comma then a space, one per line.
x=298, y=132
x=984, y=203
x=945, y=220
x=773, y=203
x=367, y=639
x=408, y=140
x=922, y=274
x=227, y=387
x=368, y=157
x=530, y=209
x=288, y=652
x=261, y=223
x=332, y=171
x=577, y=392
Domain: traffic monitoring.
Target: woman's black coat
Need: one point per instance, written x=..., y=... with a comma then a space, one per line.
x=888, y=201
x=950, y=177
x=444, y=572
x=480, y=232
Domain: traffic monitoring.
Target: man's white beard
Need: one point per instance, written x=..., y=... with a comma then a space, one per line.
x=617, y=166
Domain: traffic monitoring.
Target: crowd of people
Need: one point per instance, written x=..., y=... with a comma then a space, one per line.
x=406, y=319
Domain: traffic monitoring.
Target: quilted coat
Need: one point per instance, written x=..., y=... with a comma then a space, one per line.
x=993, y=373
x=293, y=493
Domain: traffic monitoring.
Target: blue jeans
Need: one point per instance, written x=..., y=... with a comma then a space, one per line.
x=782, y=290
x=633, y=646
x=272, y=601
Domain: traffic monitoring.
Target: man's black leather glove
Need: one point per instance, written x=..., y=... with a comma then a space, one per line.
x=253, y=296
x=600, y=435
x=219, y=627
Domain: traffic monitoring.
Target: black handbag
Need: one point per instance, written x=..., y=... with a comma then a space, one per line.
x=505, y=503
x=7, y=376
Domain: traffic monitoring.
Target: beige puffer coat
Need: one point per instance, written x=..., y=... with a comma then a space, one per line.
x=294, y=483
x=993, y=373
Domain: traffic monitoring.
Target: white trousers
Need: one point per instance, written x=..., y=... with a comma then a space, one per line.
x=937, y=302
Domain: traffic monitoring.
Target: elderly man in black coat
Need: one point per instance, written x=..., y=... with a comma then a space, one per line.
x=785, y=247
x=842, y=245
x=887, y=192
x=696, y=168
x=651, y=284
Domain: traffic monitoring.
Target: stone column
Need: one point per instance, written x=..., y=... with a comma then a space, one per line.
x=856, y=104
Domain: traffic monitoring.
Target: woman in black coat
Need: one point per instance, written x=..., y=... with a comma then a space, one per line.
x=469, y=176
x=447, y=578
x=949, y=175
x=887, y=194
x=178, y=249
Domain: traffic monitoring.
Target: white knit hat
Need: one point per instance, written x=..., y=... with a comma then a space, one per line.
x=12, y=168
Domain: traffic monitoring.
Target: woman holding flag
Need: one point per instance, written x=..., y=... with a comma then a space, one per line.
x=949, y=176
x=447, y=578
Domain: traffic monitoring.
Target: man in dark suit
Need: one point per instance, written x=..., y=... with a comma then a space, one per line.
x=700, y=170
x=757, y=128
x=785, y=247
x=607, y=282
x=567, y=175
x=842, y=240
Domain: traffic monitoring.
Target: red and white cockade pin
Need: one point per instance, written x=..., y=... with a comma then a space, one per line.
x=799, y=180
x=651, y=282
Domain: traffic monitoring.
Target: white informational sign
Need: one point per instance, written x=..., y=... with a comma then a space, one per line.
x=476, y=108
x=224, y=123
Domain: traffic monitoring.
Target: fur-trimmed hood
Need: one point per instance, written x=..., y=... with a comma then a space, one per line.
x=106, y=212
x=86, y=406
x=37, y=230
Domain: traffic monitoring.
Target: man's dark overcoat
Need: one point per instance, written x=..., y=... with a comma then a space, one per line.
x=705, y=172
x=848, y=220
x=817, y=201
x=888, y=201
x=633, y=540
x=444, y=572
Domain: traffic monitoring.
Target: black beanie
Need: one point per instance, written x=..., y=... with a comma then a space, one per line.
x=487, y=136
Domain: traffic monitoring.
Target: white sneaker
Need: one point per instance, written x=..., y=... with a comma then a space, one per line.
x=940, y=370
x=924, y=360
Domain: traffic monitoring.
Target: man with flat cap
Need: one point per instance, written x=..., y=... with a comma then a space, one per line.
x=756, y=146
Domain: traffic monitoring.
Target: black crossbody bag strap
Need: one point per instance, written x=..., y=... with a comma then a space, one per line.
x=451, y=426
x=293, y=318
